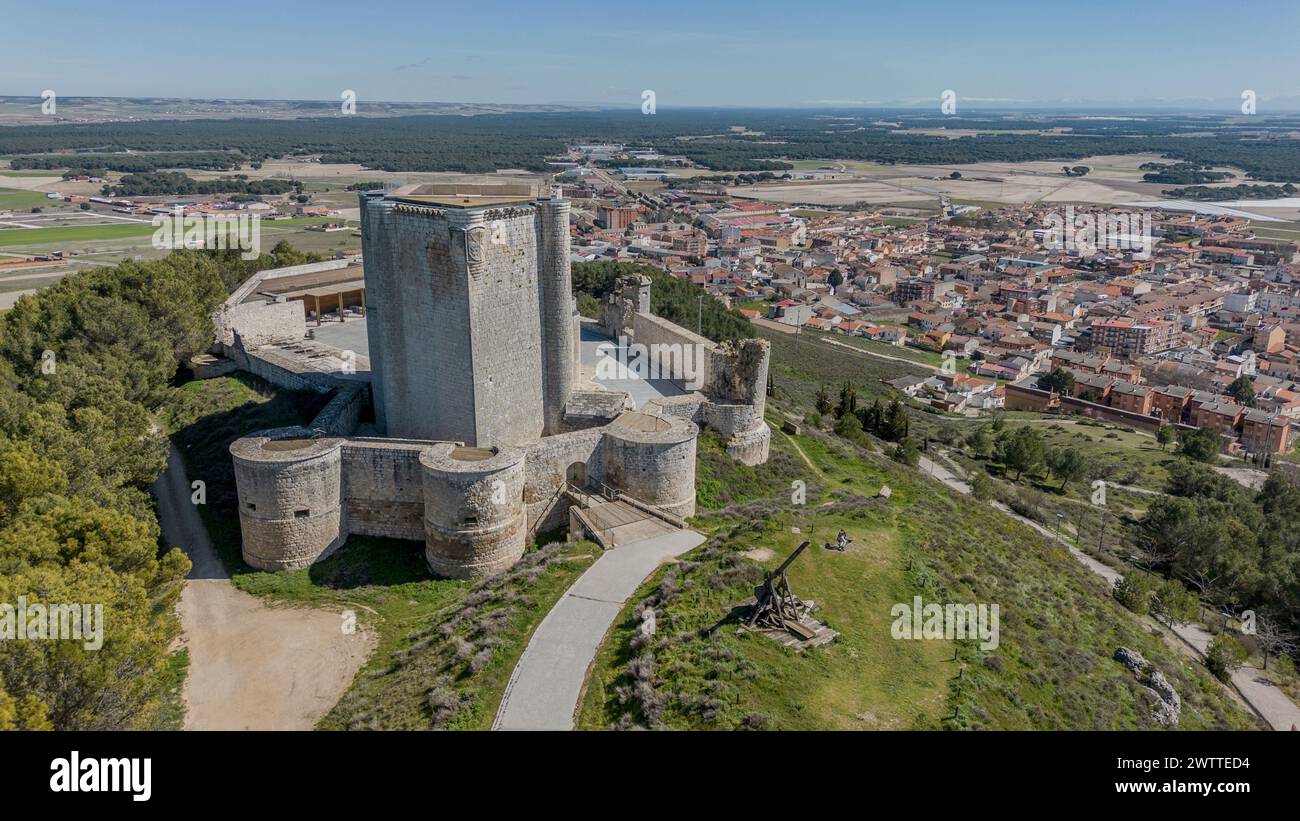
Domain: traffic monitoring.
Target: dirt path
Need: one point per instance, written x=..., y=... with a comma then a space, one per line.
x=252, y=666
x=802, y=455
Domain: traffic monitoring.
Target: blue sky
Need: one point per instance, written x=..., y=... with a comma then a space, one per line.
x=706, y=52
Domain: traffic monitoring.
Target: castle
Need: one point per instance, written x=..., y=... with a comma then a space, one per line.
x=486, y=428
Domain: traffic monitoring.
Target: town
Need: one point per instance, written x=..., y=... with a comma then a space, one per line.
x=1201, y=330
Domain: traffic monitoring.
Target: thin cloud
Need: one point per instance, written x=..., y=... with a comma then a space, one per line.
x=417, y=64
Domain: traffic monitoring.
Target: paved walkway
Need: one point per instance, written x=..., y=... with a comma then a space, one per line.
x=1266, y=698
x=547, y=682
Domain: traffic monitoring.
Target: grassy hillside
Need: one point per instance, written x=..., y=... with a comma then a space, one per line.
x=801, y=363
x=1059, y=627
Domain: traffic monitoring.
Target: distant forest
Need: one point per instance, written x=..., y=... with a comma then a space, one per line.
x=774, y=139
x=157, y=183
x=1205, y=193
x=131, y=163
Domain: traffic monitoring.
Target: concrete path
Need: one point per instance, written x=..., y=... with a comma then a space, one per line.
x=252, y=666
x=944, y=475
x=1262, y=695
x=547, y=682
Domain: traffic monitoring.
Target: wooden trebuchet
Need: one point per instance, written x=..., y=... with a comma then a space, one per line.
x=776, y=605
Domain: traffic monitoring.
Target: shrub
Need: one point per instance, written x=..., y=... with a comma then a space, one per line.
x=1224, y=655
x=906, y=452
x=1135, y=591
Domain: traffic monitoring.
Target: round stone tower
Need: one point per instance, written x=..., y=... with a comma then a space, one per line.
x=290, y=510
x=555, y=281
x=652, y=458
x=474, y=517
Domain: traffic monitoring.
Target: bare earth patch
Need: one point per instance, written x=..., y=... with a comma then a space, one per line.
x=252, y=666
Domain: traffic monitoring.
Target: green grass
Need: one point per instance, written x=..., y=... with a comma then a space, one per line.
x=447, y=647
x=1059, y=627
x=1118, y=454
x=799, y=364
x=171, y=712
x=927, y=358
x=79, y=233
x=721, y=481
x=17, y=199
x=422, y=624
x=709, y=676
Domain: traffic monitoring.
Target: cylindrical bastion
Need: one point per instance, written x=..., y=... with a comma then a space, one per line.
x=474, y=518
x=289, y=487
x=652, y=458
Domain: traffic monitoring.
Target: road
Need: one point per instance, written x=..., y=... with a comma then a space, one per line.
x=546, y=685
x=1261, y=694
x=252, y=666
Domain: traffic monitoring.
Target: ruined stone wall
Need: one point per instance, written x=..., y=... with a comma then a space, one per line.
x=341, y=414
x=732, y=372
x=698, y=354
x=688, y=406
x=278, y=372
x=751, y=447
x=253, y=324
x=733, y=383
x=738, y=373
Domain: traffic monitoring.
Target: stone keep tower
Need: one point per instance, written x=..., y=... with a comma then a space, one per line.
x=472, y=332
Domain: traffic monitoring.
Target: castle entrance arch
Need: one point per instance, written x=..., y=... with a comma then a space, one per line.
x=576, y=474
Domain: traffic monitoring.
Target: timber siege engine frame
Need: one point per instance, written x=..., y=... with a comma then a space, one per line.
x=776, y=606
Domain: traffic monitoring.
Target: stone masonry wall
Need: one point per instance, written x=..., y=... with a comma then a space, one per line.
x=547, y=469
x=417, y=305
x=383, y=488
x=505, y=324
x=253, y=324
